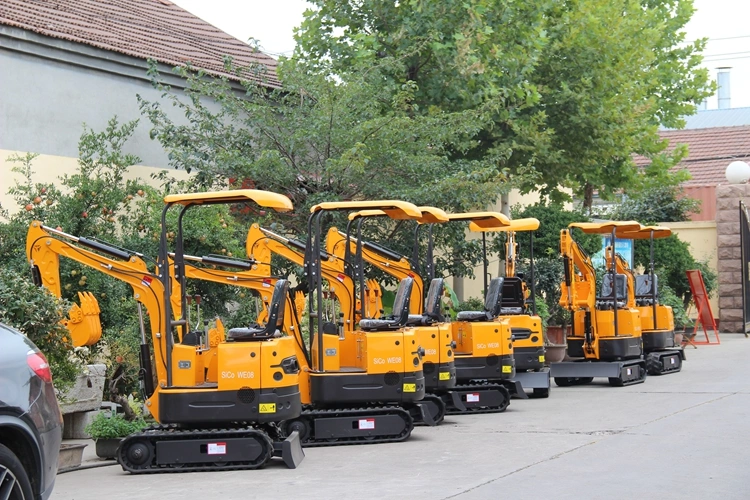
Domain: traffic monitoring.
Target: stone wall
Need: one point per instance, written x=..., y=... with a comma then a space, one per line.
x=728, y=244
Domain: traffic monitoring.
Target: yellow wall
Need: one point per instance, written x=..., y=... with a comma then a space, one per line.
x=48, y=168
x=701, y=236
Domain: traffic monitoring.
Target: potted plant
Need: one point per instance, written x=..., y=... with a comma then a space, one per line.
x=109, y=429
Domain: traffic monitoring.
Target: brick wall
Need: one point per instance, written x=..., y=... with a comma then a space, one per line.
x=728, y=244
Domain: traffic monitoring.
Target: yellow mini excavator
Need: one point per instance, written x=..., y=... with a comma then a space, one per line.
x=661, y=354
x=605, y=339
x=219, y=401
x=261, y=243
x=359, y=387
x=425, y=316
x=518, y=307
x=483, y=354
x=362, y=383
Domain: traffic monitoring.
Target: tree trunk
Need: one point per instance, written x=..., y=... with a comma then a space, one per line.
x=588, y=197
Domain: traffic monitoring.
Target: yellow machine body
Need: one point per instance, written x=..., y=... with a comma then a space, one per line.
x=489, y=340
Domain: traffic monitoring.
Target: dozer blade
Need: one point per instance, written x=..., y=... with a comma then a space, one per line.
x=426, y=415
x=290, y=450
x=458, y=404
x=515, y=388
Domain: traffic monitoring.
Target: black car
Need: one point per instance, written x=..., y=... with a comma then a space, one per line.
x=30, y=420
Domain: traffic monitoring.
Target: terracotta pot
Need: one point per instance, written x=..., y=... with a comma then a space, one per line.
x=556, y=335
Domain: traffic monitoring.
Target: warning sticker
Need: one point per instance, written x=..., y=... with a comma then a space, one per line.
x=472, y=397
x=267, y=408
x=366, y=423
x=507, y=369
x=671, y=360
x=217, y=448
x=541, y=358
x=629, y=371
x=444, y=376
x=341, y=277
x=410, y=387
x=146, y=280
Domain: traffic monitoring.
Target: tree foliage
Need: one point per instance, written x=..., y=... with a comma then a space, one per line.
x=323, y=140
x=657, y=204
x=579, y=86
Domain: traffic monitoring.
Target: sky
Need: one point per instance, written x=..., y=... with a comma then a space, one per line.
x=726, y=23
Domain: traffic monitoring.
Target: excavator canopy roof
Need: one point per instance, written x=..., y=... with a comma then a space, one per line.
x=267, y=199
x=482, y=219
x=394, y=209
x=528, y=224
x=645, y=233
x=430, y=215
x=607, y=227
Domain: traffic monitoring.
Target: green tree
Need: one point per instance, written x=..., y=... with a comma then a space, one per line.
x=587, y=85
x=657, y=204
x=323, y=140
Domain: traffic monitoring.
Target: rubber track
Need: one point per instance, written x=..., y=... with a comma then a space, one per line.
x=311, y=414
x=640, y=380
x=160, y=433
x=483, y=386
x=654, y=360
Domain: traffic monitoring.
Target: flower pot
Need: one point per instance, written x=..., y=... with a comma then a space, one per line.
x=557, y=335
x=70, y=456
x=107, y=448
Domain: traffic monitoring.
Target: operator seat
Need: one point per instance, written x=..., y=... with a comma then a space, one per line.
x=513, y=300
x=607, y=299
x=400, y=310
x=492, y=304
x=275, y=322
x=432, y=312
x=643, y=293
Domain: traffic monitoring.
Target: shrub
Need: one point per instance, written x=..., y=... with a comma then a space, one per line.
x=104, y=426
x=37, y=313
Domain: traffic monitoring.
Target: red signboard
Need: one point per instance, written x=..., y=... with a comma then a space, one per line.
x=700, y=297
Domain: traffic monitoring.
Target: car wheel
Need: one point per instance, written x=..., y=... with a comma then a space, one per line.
x=14, y=482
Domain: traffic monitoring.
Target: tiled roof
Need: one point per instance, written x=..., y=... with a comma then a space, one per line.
x=155, y=29
x=710, y=151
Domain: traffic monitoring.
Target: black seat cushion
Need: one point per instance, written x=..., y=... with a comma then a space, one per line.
x=473, y=316
x=240, y=334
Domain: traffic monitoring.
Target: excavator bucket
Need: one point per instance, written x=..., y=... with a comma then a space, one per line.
x=83, y=321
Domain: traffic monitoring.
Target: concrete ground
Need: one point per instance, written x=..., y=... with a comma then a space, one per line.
x=681, y=435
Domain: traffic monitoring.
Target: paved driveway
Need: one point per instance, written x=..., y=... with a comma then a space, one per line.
x=678, y=436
